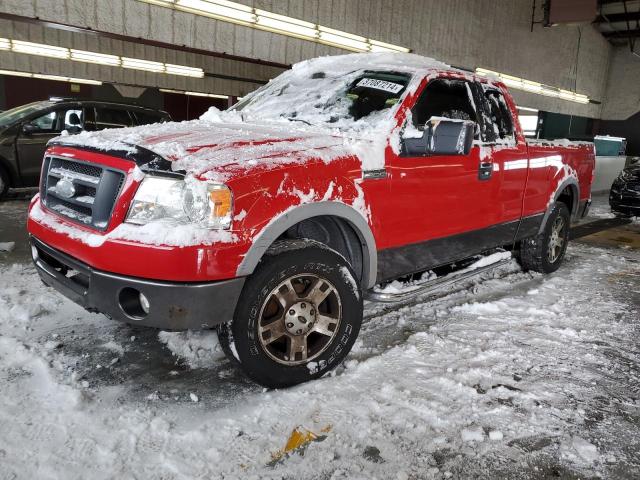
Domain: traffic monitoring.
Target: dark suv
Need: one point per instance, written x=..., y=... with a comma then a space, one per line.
x=25, y=131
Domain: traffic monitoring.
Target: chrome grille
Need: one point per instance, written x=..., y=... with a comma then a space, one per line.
x=81, y=192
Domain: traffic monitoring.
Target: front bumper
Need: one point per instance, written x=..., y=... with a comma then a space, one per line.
x=625, y=201
x=172, y=305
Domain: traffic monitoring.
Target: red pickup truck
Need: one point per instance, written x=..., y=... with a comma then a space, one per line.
x=271, y=220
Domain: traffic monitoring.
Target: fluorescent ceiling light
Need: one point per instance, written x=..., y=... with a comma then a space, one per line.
x=210, y=95
x=93, y=57
x=220, y=9
x=85, y=56
x=261, y=19
x=31, y=48
x=146, y=65
x=58, y=78
x=184, y=71
x=195, y=94
x=534, y=87
x=527, y=109
x=15, y=74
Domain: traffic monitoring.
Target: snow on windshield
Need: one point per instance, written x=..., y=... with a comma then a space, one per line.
x=356, y=91
x=331, y=98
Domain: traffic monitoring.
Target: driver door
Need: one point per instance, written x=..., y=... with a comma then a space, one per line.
x=445, y=204
x=34, y=135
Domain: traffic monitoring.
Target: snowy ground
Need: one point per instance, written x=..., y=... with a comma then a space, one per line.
x=512, y=376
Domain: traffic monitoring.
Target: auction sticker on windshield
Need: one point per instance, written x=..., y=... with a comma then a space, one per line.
x=380, y=85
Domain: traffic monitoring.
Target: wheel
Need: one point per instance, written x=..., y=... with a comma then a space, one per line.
x=545, y=252
x=4, y=183
x=297, y=317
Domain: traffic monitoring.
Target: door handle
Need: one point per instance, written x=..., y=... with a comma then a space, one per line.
x=485, y=170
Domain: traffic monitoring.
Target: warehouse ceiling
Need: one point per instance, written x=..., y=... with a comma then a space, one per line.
x=619, y=22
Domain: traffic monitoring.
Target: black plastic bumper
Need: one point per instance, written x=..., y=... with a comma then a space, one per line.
x=171, y=306
x=625, y=202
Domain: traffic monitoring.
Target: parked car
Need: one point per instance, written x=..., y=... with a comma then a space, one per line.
x=624, y=196
x=271, y=221
x=25, y=131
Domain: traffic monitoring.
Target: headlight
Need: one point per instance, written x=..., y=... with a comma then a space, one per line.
x=184, y=201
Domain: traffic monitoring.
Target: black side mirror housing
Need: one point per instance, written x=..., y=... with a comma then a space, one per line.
x=442, y=136
x=451, y=137
x=29, y=128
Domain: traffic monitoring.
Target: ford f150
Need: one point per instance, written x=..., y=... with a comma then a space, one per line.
x=271, y=220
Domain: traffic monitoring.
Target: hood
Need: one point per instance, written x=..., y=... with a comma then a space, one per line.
x=632, y=172
x=216, y=150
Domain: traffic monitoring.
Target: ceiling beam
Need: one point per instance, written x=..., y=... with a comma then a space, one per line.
x=618, y=17
x=622, y=34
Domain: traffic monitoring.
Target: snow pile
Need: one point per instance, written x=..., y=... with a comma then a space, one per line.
x=197, y=349
x=7, y=246
x=519, y=373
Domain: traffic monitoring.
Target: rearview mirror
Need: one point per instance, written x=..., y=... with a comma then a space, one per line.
x=442, y=136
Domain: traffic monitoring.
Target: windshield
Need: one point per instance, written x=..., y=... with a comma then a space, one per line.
x=15, y=114
x=357, y=99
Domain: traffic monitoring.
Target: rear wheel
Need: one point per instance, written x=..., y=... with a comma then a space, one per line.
x=545, y=252
x=298, y=316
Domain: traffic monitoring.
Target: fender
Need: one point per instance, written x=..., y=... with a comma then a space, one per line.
x=288, y=219
x=572, y=183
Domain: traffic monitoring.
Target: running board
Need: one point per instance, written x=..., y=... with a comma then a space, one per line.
x=434, y=285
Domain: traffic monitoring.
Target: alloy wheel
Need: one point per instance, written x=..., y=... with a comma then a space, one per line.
x=299, y=319
x=556, y=240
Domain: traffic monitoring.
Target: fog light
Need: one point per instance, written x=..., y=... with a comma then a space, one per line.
x=144, y=303
x=34, y=253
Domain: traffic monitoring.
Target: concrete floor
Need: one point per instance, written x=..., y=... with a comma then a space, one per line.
x=146, y=368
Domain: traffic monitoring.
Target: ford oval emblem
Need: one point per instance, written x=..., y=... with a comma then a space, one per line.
x=65, y=188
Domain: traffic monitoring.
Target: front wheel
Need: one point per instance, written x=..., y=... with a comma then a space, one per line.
x=545, y=252
x=298, y=316
x=4, y=183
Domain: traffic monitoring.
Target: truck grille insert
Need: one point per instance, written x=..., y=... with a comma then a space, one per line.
x=81, y=192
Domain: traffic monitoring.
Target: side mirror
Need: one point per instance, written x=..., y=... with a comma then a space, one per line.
x=29, y=128
x=450, y=137
x=441, y=136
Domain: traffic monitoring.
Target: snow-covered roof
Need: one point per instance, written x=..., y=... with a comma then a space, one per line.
x=401, y=62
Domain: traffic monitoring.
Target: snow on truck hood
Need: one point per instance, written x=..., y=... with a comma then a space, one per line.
x=300, y=115
x=210, y=148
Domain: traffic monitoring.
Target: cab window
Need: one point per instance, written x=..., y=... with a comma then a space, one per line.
x=452, y=99
x=500, y=115
x=146, y=118
x=112, y=118
x=46, y=123
x=73, y=120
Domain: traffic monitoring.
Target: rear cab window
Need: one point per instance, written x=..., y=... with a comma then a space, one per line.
x=498, y=118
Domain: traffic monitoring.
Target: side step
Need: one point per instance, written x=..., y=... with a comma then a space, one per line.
x=434, y=285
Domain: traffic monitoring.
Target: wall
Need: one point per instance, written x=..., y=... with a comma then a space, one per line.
x=494, y=34
x=219, y=66
x=622, y=98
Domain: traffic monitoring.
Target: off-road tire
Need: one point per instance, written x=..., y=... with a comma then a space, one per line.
x=285, y=260
x=534, y=251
